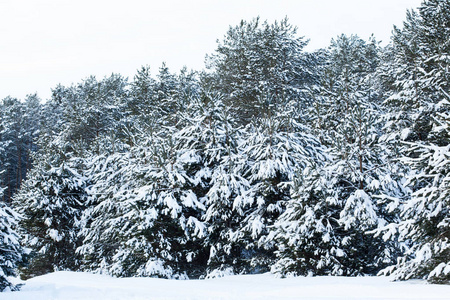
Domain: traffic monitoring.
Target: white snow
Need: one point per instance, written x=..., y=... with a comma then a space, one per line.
x=70, y=285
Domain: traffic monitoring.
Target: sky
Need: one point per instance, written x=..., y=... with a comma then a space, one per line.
x=48, y=42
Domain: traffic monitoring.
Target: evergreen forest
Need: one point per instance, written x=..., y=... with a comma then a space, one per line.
x=271, y=159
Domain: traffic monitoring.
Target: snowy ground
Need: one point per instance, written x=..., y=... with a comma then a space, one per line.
x=69, y=285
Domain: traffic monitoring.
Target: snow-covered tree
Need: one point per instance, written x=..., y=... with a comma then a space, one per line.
x=255, y=58
x=99, y=242
x=91, y=114
x=144, y=214
x=51, y=200
x=19, y=127
x=142, y=100
x=419, y=109
x=80, y=121
x=365, y=174
x=275, y=148
x=145, y=205
x=11, y=251
x=335, y=201
x=307, y=232
x=173, y=93
x=213, y=135
x=272, y=159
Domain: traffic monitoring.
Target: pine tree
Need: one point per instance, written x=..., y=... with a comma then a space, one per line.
x=143, y=104
x=324, y=229
x=11, y=252
x=275, y=147
x=255, y=58
x=213, y=135
x=50, y=201
x=307, y=231
x=420, y=99
x=143, y=214
x=173, y=93
x=91, y=114
x=145, y=206
x=19, y=128
x=81, y=121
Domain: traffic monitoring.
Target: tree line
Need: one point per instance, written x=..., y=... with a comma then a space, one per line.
x=334, y=162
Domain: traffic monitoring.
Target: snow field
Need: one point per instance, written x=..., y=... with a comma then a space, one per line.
x=71, y=285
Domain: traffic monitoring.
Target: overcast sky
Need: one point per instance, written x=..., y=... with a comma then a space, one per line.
x=46, y=42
